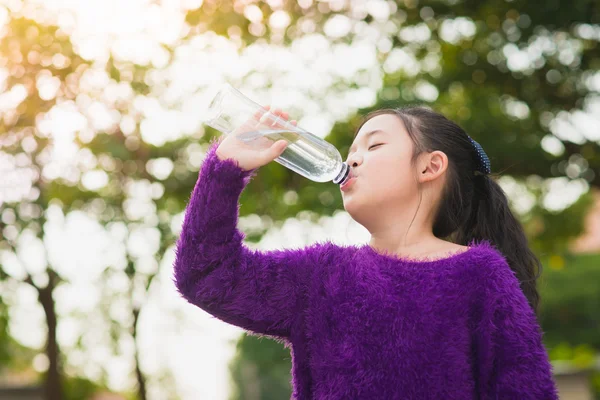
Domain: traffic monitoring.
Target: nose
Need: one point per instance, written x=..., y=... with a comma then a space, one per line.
x=354, y=160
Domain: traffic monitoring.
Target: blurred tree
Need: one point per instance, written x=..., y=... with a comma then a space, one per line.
x=31, y=51
x=5, y=339
x=261, y=369
x=571, y=300
x=465, y=58
x=569, y=312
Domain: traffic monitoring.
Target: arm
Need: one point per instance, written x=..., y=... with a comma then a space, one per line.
x=258, y=291
x=512, y=362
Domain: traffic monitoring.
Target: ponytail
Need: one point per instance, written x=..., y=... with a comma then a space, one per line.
x=491, y=219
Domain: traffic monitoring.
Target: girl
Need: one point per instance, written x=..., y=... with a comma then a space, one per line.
x=440, y=304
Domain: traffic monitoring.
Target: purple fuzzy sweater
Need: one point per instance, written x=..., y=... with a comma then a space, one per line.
x=361, y=324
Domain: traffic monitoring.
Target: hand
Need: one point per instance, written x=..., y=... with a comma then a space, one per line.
x=249, y=156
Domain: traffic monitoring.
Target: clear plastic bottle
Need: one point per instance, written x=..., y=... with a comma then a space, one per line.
x=310, y=156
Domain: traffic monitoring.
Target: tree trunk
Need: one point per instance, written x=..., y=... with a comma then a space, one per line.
x=141, y=381
x=53, y=387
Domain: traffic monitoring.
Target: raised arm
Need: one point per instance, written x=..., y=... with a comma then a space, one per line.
x=258, y=291
x=511, y=362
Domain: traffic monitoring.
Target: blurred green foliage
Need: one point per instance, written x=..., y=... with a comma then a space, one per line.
x=506, y=108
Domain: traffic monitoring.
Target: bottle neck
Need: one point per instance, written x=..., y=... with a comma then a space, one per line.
x=343, y=175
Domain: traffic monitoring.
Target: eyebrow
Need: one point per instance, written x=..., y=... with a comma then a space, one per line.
x=366, y=136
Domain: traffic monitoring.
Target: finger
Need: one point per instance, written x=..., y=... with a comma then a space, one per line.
x=261, y=112
x=280, y=146
x=277, y=112
x=294, y=122
x=265, y=110
x=260, y=116
x=275, y=150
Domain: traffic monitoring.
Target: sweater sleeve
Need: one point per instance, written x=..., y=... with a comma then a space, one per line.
x=258, y=291
x=512, y=362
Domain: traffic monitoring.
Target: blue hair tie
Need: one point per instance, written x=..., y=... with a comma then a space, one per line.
x=483, y=162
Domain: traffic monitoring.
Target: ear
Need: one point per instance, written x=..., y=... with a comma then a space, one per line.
x=432, y=165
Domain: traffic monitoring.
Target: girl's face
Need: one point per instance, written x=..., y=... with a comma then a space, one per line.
x=386, y=182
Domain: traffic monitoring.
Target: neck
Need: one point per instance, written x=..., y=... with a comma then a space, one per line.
x=406, y=231
x=413, y=244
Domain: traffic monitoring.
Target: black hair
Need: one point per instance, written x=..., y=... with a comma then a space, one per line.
x=473, y=206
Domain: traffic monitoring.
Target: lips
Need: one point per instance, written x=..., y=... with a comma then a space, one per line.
x=348, y=184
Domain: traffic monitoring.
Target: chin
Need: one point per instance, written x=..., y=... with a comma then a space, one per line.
x=351, y=205
x=347, y=203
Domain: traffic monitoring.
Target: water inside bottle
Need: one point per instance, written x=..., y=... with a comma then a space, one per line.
x=303, y=155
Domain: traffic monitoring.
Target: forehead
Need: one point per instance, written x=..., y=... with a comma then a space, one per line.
x=382, y=125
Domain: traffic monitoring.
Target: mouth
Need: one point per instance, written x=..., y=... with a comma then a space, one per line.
x=346, y=186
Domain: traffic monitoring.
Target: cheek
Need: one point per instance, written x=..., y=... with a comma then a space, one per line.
x=388, y=173
x=384, y=177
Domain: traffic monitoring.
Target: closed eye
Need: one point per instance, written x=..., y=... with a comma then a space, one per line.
x=375, y=145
